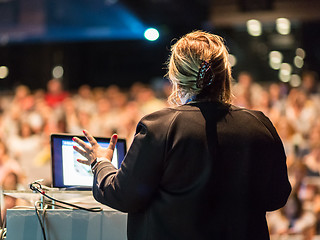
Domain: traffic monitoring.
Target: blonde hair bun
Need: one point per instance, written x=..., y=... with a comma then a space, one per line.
x=185, y=62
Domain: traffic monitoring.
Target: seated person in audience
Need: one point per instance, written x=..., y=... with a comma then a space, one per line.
x=288, y=136
x=24, y=147
x=310, y=82
x=10, y=183
x=55, y=93
x=292, y=219
x=246, y=91
x=312, y=160
x=301, y=112
x=7, y=164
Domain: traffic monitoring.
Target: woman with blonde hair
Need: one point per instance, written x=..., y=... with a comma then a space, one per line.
x=203, y=169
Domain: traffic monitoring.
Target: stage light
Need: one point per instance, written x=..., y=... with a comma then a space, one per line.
x=151, y=34
x=57, y=72
x=301, y=53
x=232, y=60
x=295, y=80
x=284, y=78
x=4, y=71
x=275, y=59
x=298, y=61
x=285, y=72
x=254, y=27
x=285, y=68
x=283, y=26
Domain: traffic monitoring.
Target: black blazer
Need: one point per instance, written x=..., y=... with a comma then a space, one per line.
x=199, y=171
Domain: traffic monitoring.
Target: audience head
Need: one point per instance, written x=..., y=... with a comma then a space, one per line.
x=54, y=86
x=84, y=91
x=309, y=81
x=10, y=182
x=293, y=209
x=24, y=129
x=22, y=91
x=245, y=79
x=199, y=66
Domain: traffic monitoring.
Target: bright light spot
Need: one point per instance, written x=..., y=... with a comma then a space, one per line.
x=301, y=53
x=276, y=56
x=283, y=26
x=275, y=66
x=295, y=80
x=285, y=72
x=285, y=69
x=275, y=59
x=151, y=34
x=254, y=27
x=284, y=78
x=232, y=60
x=4, y=71
x=298, y=61
x=57, y=72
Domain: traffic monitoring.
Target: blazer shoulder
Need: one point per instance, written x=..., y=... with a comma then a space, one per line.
x=160, y=115
x=158, y=121
x=254, y=113
x=262, y=118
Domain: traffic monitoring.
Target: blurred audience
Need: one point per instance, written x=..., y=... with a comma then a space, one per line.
x=292, y=219
x=9, y=173
x=247, y=92
x=27, y=118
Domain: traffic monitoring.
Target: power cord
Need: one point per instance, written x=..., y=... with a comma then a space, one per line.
x=37, y=187
x=41, y=221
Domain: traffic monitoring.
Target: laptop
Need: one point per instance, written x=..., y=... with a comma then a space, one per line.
x=67, y=172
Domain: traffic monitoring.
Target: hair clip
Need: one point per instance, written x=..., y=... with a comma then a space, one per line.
x=205, y=75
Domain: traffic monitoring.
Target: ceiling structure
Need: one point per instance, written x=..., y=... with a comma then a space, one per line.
x=101, y=36
x=22, y=20
x=235, y=12
x=66, y=20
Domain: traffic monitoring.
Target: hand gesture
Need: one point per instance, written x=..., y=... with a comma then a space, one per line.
x=94, y=150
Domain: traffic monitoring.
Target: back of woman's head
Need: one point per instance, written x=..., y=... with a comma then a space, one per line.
x=199, y=66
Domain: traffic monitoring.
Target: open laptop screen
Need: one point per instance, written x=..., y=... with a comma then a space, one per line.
x=67, y=172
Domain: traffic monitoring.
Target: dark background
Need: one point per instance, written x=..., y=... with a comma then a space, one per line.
x=100, y=42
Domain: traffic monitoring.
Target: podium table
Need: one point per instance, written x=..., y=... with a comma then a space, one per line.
x=67, y=225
